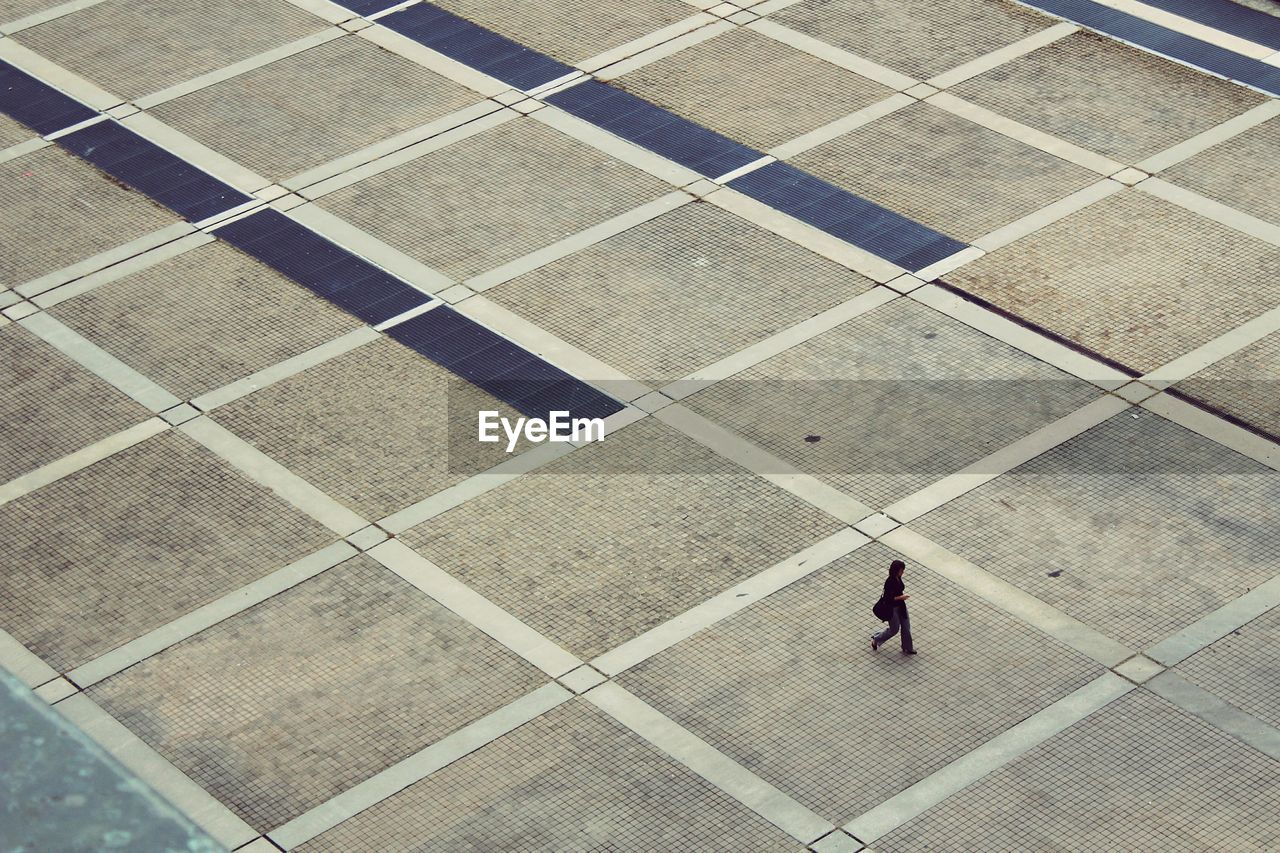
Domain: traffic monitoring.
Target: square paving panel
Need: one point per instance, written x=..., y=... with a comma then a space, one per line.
x=1244, y=385
x=891, y=401
x=945, y=172
x=136, y=47
x=571, y=30
x=1141, y=774
x=572, y=779
x=203, y=319
x=916, y=37
x=1108, y=97
x=790, y=688
x=12, y=132
x=1132, y=277
x=491, y=198
x=378, y=428
x=12, y=10
x=619, y=536
x=50, y=406
x=342, y=95
x=1241, y=668
x=1242, y=172
x=679, y=292
x=57, y=210
x=1153, y=527
x=133, y=542
x=751, y=88
x=296, y=699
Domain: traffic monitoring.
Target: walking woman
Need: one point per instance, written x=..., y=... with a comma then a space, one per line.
x=894, y=601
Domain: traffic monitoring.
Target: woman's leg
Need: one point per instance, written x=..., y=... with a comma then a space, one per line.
x=890, y=630
x=907, y=645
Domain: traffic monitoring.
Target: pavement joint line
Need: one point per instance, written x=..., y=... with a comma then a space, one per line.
x=474, y=608
x=1224, y=345
x=72, y=128
x=732, y=600
x=390, y=10
x=99, y=362
x=1187, y=27
x=949, y=264
x=545, y=92
x=1213, y=626
x=56, y=690
x=832, y=54
x=577, y=242
x=758, y=163
x=80, y=459
x=779, y=342
x=1216, y=712
x=323, y=9
x=22, y=149
x=837, y=841
x=1215, y=428
x=152, y=251
x=1229, y=129
x=654, y=41
x=387, y=258
x=219, y=610
x=44, y=16
x=1047, y=215
x=57, y=77
x=1025, y=607
x=262, y=844
x=1037, y=139
x=491, y=118
x=1005, y=459
x=419, y=766
x=390, y=145
x=710, y=763
x=24, y=664
x=231, y=214
x=195, y=153
x=770, y=6
x=265, y=471
x=561, y=82
x=1000, y=56
x=692, y=31
x=220, y=75
x=841, y=126
x=1210, y=209
x=410, y=314
x=154, y=769
x=617, y=147
x=987, y=758
x=434, y=61
x=755, y=459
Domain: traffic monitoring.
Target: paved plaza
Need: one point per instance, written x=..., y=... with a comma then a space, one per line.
x=988, y=287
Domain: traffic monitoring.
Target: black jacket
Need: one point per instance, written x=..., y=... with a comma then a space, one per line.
x=893, y=587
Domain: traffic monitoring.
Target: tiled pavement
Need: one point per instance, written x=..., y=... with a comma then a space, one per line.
x=657, y=642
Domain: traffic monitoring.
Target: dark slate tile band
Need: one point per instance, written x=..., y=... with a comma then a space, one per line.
x=1163, y=40
x=512, y=374
x=865, y=224
x=662, y=132
x=1258, y=27
x=145, y=166
x=472, y=45
x=321, y=266
x=37, y=105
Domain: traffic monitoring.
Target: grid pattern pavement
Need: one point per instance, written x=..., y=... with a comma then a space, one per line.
x=1238, y=668
x=594, y=559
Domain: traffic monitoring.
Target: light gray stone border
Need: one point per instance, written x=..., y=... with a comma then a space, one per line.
x=474, y=608
x=1214, y=428
x=56, y=690
x=835, y=55
x=419, y=766
x=1047, y=215
x=986, y=759
x=616, y=147
x=1212, y=627
x=433, y=61
x=1187, y=27
x=1215, y=350
x=1213, y=136
x=710, y=763
x=323, y=9
x=157, y=640
x=195, y=153
x=135, y=263
x=22, y=149
x=56, y=76
x=23, y=663
x=1023, y=606
x=841, y=126
x=1217, y=713
x=1000, y=56
x=653, y=45
x=104, y=260
x=1210, y=209
x=265, y=471
x=45, y=15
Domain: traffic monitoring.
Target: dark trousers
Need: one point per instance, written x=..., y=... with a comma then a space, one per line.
x=897, y=620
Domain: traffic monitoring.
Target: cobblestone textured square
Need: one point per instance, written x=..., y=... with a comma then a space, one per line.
x=751, y=88
x=1138, y=775
x=489, y=199
x=891, y=401
x=572, y=779
x=916, y=37
x=136, y=47
x=370, y=428
x=1135, y=278
x=12, y=10
x=203, y=319
x=571, y=30
x=56, y=210
x=135, y=541
x=1241, y=172
x=1245, y=385
x=944, y=171
x=619, y=536
x=1152, y=527
x=1108, y=97
x=1240, y=668
x=12, y=132
x=298, y=698
x=344, y=95
x=791, y=689
x=50, y=406
x=679, y=292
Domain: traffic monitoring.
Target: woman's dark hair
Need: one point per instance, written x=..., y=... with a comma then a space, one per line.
x=896, y=568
